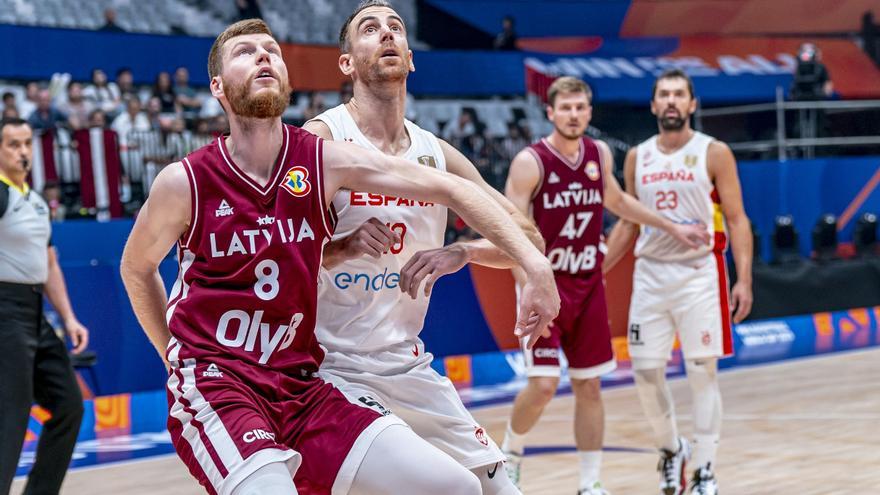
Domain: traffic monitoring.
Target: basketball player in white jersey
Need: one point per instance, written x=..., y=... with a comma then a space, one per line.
x=688, y=177
x=371, y=308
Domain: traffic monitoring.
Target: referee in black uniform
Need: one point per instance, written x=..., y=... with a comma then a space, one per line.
x=34, y=365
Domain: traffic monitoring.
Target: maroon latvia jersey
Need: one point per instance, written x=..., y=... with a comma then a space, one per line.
x=246, y=292
x=567, y=207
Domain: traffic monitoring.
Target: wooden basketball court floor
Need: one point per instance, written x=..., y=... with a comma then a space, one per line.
x=804, y=427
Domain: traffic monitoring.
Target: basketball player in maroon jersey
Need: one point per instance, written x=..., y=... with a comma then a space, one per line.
x=249, y=215
x=565, y=181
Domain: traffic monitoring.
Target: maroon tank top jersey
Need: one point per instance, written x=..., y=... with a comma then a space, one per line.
x=567, y=207
x=246, y=292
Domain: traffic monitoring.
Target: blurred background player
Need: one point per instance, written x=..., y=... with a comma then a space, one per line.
x=249, y=215
x=689, y=178
x=564, y=182
x=392, y=245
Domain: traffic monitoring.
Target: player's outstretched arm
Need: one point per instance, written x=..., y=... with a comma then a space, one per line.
x=432, y=264
x=722, y=171
x=624, y=232
x=161, y=222
x=351, y=167
x=628, y=207
x=372, y=238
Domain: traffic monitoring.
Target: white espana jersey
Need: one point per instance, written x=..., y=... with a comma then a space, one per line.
x=677, y=186
x=360, y=305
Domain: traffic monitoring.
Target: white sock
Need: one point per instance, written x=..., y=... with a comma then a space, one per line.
x=513, y=442
x=705, y=449
x=591, y=464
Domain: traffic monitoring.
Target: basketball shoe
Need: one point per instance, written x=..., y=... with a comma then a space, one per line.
x=512, y=467
x=672, y=465
x=703, y=482
x=596, y=489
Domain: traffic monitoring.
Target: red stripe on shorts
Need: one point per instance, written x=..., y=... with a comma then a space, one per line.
x=724, y=304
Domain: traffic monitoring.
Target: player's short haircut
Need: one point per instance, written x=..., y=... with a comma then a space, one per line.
x=568, y=84
x=344, y=43
x=240, y=28
x=7, y=95
x=674, y=74
x=15, y=121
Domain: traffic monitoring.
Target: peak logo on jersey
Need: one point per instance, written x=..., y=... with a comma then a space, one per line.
x=296, y=181
x=212, y=372
x=592, y=170
x=224, y=210
x=553, y=179
x=427, y=160
x=480, y=433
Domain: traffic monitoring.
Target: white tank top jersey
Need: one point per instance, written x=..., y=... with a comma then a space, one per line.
x=677, y=186
x=360, y=305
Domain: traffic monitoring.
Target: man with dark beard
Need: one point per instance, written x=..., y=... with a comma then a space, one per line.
x=565, y=182
x=250, y=214
x=372, y=336
x=687, y=177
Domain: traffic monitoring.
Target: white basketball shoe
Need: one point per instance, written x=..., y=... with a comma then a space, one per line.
x=513, y=467
x=596, y=489
x=703, y=482
x=672, y=465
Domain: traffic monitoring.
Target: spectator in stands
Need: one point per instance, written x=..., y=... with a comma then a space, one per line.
x=458, y=132
x=101, y=94
x=811, y=78
x=9, y=100
x=27, y=107
x=77, y=108
x=870, y=37
x=52, y=195
x=125, y=86
x=165, y=92
x=346, y=91
x=110, y=25
x=315, y=107
x=132, y=120
x=248, y=9
x=46, y=116
x=513, y=143
x=162, y=121
x=10, y=113
x=98, y=119
x=187, y=99
x=506, y=39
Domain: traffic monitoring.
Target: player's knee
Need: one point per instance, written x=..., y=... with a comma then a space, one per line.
x=465, y=482
x=589, y=389
x=702, y=369
x=544, y=388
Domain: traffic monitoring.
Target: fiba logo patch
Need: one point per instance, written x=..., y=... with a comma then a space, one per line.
x=592, y=170
x=706, y=338
x=480, y=433
x=296, y=181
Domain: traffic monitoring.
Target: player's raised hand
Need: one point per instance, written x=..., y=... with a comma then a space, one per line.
x=431, y=264
x=741, y=301
x=372, y=238
x=693, y=235
x=539, y=305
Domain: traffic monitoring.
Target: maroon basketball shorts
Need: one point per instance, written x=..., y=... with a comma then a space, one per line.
x=224, y=428
x=581, y=331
